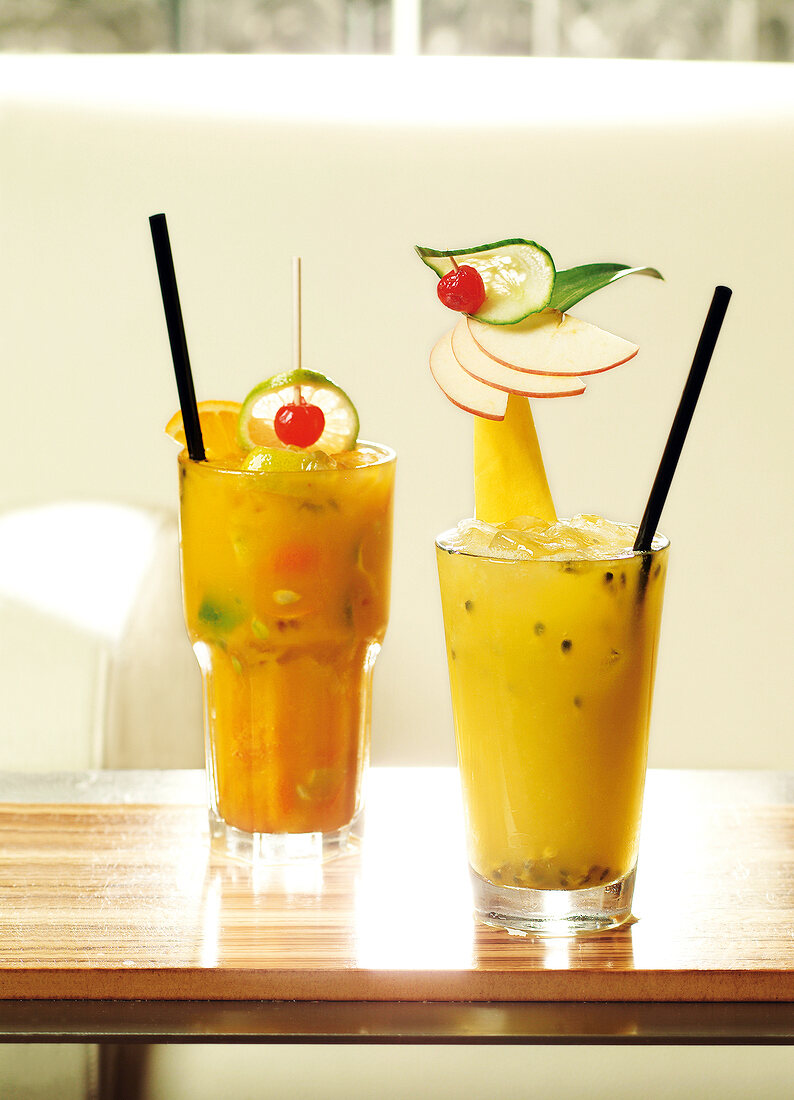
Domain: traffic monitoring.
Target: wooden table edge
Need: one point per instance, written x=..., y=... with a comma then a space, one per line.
x=564, y=986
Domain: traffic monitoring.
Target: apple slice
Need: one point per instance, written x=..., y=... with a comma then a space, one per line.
x=552, y=343
x=463, y=390
x=476, y=363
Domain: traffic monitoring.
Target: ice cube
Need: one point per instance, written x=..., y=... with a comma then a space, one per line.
x=581, y=537
x=475, y=536
x=510, y=545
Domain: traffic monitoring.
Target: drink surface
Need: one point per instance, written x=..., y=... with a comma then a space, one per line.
x=585, y=537
x=551, y=639
x=285, y=579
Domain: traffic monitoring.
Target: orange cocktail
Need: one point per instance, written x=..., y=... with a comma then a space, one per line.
x=286, y=590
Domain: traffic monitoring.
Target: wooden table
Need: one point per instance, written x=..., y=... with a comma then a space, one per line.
x=117, y=923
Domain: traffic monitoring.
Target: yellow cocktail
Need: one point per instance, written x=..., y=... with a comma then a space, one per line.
x=286, y=589
x=551, y=667
x=552, y=626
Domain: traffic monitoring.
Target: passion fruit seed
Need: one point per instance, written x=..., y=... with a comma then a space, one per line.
x=462, y=289
x=299, y=424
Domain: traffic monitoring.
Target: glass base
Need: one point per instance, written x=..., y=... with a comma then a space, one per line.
x=554, y=912
x=277, y=849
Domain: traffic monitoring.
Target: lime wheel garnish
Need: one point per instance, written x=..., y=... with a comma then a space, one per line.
x=291, y=409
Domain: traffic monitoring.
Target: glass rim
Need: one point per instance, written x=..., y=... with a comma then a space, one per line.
x=660, y=542
x=387, y=455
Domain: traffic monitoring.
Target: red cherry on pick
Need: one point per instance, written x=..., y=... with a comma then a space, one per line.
x=299, y=424
x=462, y=289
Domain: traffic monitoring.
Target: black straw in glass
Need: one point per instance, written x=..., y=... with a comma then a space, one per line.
x=176, y=337
x=683, y=418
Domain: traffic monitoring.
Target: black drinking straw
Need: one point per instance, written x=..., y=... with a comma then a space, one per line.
x=176, y=337
x=683, y=418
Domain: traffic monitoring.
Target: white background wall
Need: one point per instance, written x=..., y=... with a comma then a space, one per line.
x=349, y=162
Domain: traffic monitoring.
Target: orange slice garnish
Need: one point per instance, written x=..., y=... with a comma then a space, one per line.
x=218, y=421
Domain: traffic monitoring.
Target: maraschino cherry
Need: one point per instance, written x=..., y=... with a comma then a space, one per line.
x=299, y=424
x=462, y=288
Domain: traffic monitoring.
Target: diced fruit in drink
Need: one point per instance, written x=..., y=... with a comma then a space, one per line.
x=463, y=390
x=518, y=276
x=462, y=289
x=509, y=475
x=296, y=557
x=286, y=458
x=320, y=784
x=220, y=614
x=256, y=425
x=553, y=343
x=218, y=420
x=475, y=362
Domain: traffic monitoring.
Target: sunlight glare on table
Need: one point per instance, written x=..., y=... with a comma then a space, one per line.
x=413, y=901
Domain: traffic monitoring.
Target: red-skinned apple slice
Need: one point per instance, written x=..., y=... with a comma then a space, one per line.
x=463, y=390
x=483, y=367
x=552, y=343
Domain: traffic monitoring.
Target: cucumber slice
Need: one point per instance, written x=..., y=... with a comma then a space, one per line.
x=518, y=276
x=258, y=412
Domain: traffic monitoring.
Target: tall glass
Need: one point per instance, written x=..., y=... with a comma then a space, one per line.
x=285, y=580
x=551, y=668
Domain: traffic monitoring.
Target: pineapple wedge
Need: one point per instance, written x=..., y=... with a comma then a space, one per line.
x=509, y=475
